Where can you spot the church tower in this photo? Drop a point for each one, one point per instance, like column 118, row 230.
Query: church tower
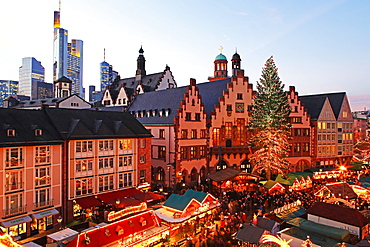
column 62, row 87
column 220, row 67
column 140, row 71
column 235, row 63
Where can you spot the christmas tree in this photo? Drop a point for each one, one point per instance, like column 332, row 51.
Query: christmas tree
column 270, row 123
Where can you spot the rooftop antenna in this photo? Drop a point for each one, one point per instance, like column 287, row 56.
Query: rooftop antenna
column 104, row 54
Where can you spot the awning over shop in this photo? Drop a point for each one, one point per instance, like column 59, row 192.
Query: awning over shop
column 88, row 202
column 63, row 234
column 112, row 196
column 45, row 213
column 16, row 221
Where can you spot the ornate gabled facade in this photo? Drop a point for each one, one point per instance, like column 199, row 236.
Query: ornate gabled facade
column 301, row 151
column 332, row 130
column 177, row 120
column 121, row 91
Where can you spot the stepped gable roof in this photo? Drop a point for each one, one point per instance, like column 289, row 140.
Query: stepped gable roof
column 79, row 124
column 149, row 83
column 211, row 92
column 338, row 213
column 25, row 122
column 313, row 104
column 160, row 100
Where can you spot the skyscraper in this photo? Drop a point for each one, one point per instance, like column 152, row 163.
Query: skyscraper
column 7, row 88
column 68, row 57
column 31, row 71
column 107, row 74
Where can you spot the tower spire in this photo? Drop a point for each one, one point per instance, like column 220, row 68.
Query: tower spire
column 60, row 3
column 104, row 54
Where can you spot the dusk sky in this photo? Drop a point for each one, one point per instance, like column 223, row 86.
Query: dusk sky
column 318, row 46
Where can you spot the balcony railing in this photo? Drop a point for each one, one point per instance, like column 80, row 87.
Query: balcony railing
column 44, row 204
column 14, row 211
column 15, row 186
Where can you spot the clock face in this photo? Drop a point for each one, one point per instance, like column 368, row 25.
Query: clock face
column 239, row 107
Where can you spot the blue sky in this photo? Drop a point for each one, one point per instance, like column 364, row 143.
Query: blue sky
column 318, row 46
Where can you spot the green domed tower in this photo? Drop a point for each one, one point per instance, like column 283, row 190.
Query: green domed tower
column 220, row 67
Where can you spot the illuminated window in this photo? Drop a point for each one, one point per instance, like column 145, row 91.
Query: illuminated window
column 84, row 186
column 162, row 152
column 125, row 144
column 240, row 130
column 193, row 134
column 228, row 130
column 202, row 151
column 202, row 133
column 184, row 134
column 124, row 161
column 38, row 132
column 13, row 157
column 193, row 152
column 84, row 165
column 10, row 132
column 142, row 143
column 161, row 134
column 42, row 155
column 216, row 137
column 184, row 153
column 13, row 180
column 306, row 147
column 105, row 163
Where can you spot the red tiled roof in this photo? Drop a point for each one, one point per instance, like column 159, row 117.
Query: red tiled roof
column 116, row 231
column 338, row 213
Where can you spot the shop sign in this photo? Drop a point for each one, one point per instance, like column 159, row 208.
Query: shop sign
column 119, row 214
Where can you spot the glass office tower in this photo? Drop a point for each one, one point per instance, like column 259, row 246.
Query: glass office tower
column 107, row 75
column 7, row 88
column 31, row 71
column 68, row 57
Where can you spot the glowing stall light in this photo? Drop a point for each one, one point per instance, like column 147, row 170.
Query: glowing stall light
column 7, row 241
column 277, row 240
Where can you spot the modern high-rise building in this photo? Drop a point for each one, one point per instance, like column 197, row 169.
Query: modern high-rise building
column 107, row 74
column 7, row 88
column 31, row 71
column 68, row 57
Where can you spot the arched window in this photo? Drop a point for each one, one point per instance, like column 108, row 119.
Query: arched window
column 193, row 175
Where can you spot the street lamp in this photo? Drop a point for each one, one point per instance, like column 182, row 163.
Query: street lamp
column 60, row 219
column 169, row 174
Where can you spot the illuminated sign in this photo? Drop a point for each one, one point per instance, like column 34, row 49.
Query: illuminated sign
column 276, row 240
column 119, row 214
column 7, row 241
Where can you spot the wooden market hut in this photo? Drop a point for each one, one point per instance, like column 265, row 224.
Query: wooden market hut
column 337, row 189
column 231, row 179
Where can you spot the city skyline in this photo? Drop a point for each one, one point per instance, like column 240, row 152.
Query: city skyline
column 319, row 47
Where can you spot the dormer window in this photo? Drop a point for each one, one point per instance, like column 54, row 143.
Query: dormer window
column 38, row 132
column 10, row 132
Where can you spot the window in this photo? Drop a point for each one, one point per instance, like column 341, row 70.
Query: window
column 142, row 143
column 84, row 165
column 105, row 163
column 161, row 134
column 216, row 137
column 197, row 116
column 125, row 161
column 120, row 181
column 106, row 145
column 202, row 151
column 142, row 176
column 38, row 132
column 84, row 146
column 188, row 116
column 228, row 130
column 340, row 125
column 193, row 134
column 306, row 132
column 142, row 159
column 14, row 204
column 297, row 147
column 184, row 134
column 345, row 114
column 13, row 180
column 106, row 183
column 240, row 130
column 184, row 153
column 84, row 186
column 43, row 198
column 193, row 152
column 162, row 152
column 125, row 144
column 239, row 96
column 297, row 132
column 306, row 147
column 296, row 120
column 202, row 133
column 42, row 176
column 13, row 157
column 229, row 108
column 42, row 155
column 10, row 132
column 127, row 179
